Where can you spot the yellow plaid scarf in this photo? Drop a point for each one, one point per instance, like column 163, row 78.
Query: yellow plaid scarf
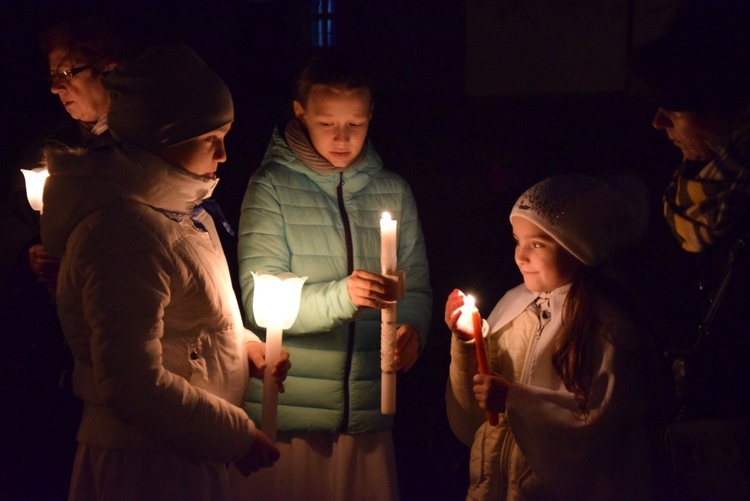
column 708, row 206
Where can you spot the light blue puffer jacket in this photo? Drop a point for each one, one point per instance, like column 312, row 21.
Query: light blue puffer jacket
column 292, row 221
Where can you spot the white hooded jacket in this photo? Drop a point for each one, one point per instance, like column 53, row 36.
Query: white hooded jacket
column 146, row 302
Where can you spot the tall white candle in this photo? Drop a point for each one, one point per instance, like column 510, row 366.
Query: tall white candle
column 276, row 302
column 269, row 410
column 389, row 267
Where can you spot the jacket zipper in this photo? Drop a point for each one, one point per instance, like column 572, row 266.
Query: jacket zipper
column 349, row 269
column 508, row 440
column 526, row 373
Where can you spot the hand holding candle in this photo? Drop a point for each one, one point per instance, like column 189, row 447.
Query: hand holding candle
column 276, row 302
column 471, row 321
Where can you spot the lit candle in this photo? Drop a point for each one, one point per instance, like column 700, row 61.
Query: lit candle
column 389, row 265
column 470, row 320
column 388, row 248
column 35, row 179
column 276, row 302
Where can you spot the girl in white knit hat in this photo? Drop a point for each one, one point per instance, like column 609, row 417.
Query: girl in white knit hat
column 570, row 366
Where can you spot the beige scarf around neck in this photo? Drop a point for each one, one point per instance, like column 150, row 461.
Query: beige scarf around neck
column 299, row 142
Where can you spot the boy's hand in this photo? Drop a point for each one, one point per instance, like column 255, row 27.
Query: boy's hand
column 407, row 347
column 370, row 290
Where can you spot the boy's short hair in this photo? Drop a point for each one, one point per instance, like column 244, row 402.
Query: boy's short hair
column 332, row 68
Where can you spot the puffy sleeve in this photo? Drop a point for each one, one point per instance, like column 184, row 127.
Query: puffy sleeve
column 263, row 246
column 464, row 414
column 416, row 308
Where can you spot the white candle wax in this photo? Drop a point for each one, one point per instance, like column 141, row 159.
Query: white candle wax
column 270, row 389
column 389, row 267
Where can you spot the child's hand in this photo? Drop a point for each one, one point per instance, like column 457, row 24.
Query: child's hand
column 407, row 347
column 491, row 391
column 262, row 454
column 453, row 312
column 256, row 353
column 370, row 290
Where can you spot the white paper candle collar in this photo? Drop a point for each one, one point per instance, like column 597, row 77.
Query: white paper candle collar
column 35, row 179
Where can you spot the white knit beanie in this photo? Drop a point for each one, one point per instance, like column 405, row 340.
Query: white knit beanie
column 591, row 219
column 166, row 96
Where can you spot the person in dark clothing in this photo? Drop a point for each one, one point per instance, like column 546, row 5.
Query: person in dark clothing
column 694, row 74
column 40, row 416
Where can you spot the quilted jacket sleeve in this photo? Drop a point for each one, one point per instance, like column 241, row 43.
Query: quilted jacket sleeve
column 416, row 308
column 263, row 246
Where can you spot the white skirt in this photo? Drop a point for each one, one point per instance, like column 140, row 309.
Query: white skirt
column 324, row 466
column 127, row 475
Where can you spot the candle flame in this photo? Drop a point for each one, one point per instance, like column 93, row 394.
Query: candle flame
column 386, row 216
column 469, row 302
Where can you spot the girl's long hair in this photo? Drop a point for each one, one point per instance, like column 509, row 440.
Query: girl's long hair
column 573, row 351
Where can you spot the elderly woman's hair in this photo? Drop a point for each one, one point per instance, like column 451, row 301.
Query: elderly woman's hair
column 94, row 38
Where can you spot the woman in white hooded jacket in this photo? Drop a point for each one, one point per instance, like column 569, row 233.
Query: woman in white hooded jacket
column 162, row 359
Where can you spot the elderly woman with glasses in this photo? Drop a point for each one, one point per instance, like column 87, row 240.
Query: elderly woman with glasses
column 34, row 358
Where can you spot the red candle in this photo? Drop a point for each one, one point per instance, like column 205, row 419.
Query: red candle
column 482, row 361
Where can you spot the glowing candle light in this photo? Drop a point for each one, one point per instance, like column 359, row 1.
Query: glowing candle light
column 35, row 179
column 389, row 265
column 471, row 321
column 275, row 306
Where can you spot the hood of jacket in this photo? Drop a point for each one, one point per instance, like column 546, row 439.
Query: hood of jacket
column 82, row 181
column 355, row 179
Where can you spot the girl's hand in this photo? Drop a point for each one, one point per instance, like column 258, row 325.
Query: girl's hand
column 491, row 391
column 262, row 454
column 407, row 347
column 256, row 353
column 453, row 311
column 370, row 290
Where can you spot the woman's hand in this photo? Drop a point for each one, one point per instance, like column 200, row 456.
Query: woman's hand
column 370, row 290
column 491, row 391
column 44, row 265
column 256, row 353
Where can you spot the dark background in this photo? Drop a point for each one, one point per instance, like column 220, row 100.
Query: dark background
column 474, row 102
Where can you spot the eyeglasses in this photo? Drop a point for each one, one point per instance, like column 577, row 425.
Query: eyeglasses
column 67, row 74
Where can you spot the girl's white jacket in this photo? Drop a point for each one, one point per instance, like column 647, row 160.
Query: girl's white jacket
column 146, row 302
